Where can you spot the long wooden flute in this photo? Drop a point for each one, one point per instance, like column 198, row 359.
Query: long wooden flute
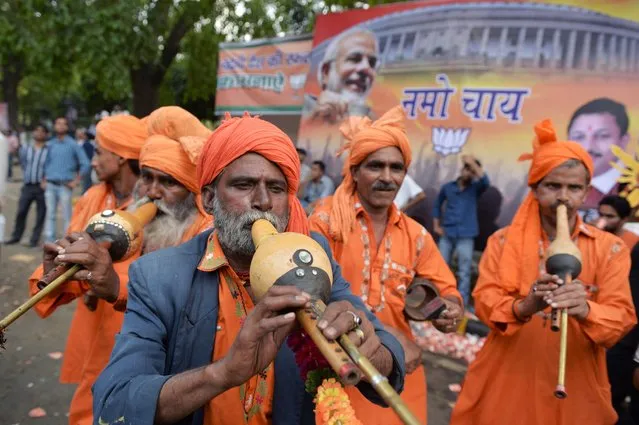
column 563, row 259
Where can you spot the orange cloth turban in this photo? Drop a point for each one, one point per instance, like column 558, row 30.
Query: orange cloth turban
column 123, row 135
column 175, row 143
column 238, row 136
column 363, row 138
column 175, row 122
column 519, row 265
column 178, row 158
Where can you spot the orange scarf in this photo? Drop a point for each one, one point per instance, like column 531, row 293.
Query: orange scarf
column 251, row 402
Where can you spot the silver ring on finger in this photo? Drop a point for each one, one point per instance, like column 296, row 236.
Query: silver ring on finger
column 89, row 276
column 356, row 319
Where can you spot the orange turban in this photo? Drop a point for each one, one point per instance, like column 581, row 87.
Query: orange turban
column 123, row 135
column 238, row 136
column 519, row 264
column 178, row 158
column 175, row 122
column 363, row 138
column 175, row 143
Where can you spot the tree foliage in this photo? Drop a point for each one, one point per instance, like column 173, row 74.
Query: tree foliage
column 99, row 52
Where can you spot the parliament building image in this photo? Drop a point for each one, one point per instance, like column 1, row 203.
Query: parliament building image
column 482, row 36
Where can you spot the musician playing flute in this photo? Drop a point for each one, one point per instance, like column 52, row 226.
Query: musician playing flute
column 381, row 250
column 514, row 375
column 196, row 347
column 167, row 175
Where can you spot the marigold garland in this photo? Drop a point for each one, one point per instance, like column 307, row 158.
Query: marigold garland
column 332, row 405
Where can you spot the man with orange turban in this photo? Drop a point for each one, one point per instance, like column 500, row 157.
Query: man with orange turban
column 514, row 376
column 381, row 249
column 97, row 319
column 196, row 347
column 168, row 177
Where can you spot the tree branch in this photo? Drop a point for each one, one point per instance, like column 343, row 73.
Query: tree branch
column 172, row 45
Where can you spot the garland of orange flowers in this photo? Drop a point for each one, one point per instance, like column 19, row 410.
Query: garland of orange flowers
column 332, row 405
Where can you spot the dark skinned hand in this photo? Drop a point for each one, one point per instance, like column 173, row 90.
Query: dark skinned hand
column 572, row 296
column 80, row 248
column 448, row 320
column 535, row 300
column 262, row 334
column 337, row 321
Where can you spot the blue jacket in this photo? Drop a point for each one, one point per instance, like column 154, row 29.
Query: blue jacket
column 169, row 328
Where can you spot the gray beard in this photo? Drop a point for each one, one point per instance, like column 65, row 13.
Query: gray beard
column 168, row 227
column 234, row 231
column 165, row 231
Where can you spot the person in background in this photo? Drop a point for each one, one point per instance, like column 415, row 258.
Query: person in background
column 409, row 195
column 64, row 168
column 4, row 157
column 32, row 160
column 614, row 212
column 13, row 144
column 458, row 227
column 89, row 149
column 305, row 171
column 319, row 187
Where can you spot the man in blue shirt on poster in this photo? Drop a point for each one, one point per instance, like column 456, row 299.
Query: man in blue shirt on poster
column 63, row 170
column 457, row 224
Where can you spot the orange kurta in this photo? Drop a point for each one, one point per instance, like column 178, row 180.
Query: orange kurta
column 630, row 238
column 514, row 376
column 251, row 403
column 92, row 333
column 380, row 275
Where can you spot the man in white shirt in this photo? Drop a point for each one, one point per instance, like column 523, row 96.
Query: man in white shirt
column 409, row 194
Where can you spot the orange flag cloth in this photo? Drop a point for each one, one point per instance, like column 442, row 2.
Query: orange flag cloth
column 363, row 138
column 521, row 249
column 122, row 135
column 238, row 136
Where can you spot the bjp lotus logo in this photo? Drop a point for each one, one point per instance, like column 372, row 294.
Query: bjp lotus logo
column 297, row 82
column 447, row 141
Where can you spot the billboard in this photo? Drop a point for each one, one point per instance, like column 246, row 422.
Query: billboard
column 263, row 76
column 474, row 77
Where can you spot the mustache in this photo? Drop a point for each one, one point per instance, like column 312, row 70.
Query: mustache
column 247, row 219
column 595, row 154
column 389, row 187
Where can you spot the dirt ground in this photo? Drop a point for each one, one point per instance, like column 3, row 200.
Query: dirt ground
column 29, row 370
